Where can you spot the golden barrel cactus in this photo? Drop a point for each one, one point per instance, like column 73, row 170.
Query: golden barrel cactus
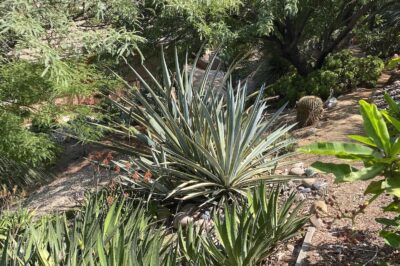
column 309, row 110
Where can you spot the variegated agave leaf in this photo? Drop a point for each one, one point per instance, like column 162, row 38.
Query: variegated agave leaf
column 204, row 142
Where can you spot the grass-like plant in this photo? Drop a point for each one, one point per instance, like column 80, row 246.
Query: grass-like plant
column 201, row 140
column 107, row 231
column 244, row 235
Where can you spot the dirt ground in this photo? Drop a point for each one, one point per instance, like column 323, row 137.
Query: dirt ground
column 340, row 243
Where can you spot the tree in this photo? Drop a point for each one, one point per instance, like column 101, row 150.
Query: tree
column 49, row 51
column 302, row 32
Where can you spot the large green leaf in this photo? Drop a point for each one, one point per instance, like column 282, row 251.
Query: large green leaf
column 392, row 185
column 375, row 126
column 392, row 120
column 346, row 173
column 375, row 187
column 391, row 238
column 337, row 148
column 365, row 140
column 393, row 207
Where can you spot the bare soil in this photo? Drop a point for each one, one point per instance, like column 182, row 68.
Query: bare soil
column 342, row 242
column 74, row 174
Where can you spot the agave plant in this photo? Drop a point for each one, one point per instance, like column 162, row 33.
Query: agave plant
column 119, row 234
column 201, row 140
column 244, row 235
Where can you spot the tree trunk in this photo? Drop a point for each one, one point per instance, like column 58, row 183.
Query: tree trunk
column 298, row 61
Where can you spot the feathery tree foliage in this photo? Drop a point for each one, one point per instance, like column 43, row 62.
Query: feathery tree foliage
column 48, row 52
column 302, row 32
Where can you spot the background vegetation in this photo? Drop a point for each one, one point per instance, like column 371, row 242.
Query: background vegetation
column 75, row 68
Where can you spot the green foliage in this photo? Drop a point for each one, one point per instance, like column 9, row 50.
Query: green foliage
column 45, row 52
column 393, row 62
column 107, row 231
column 51, row 32
column 14, row 222
column 245, row 234
column 341, row 73
column 29, row 110
column 381, row 41
column 112, row 229
column 379, row 150
column 201, row 141
column 21, row 145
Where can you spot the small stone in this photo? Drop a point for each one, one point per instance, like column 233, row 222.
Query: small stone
column 290, row 184
column 299, row 197
column 278, row 172
column 309, row 172
column 319, row 206
column 298, row 165
column 200, row 222
column 300, row 187
column 296, row 171
column 317, row 222
column 290, row 247
column 319, row 185
column 182, row 219
column 305, row 190
column 206, row 216
column 331, row 102
column 308, row 182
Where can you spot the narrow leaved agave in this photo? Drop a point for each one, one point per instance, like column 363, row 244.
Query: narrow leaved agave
column 201, row 139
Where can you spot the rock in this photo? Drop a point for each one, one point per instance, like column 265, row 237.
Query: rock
column 331, row 102
column 206, row 216
column 200, row 222
column 182, row 219
column 204, row 224
column 319, row 185
column 308, row 182
column 278, row 172
column 305, row 190
column 290, row 247
column 299, row 197
column 309, row 172
column 296, row 171
column 298, row 165
column 317, row 222
column 319, row 206
column 290, row 184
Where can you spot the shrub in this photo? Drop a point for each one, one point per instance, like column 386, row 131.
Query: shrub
column 246, row 234
column 202, row 142
column 382, row 40
column 379, row 150
column 341, row 73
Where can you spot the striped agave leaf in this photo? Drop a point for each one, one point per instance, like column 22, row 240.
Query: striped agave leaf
column 203, row 140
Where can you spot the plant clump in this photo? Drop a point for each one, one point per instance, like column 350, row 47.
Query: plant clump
column 199, row 142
